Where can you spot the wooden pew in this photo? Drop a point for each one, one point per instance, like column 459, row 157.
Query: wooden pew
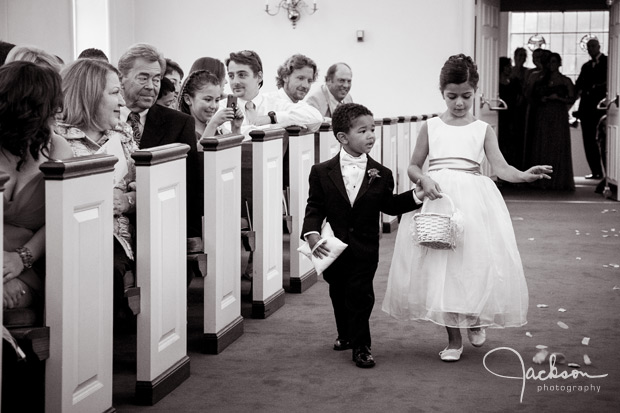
column 301, row 155
column 78, row 289
column 162, row 362
column 389, row 158
column 223, row 323
column 326, row 145
column 405, row 150
column 263, row 157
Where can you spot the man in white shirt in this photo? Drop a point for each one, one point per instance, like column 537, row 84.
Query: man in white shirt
column 245, row 73
column 295, row 77
column 334, row 92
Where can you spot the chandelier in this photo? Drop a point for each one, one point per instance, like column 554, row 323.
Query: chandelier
column 293, row 9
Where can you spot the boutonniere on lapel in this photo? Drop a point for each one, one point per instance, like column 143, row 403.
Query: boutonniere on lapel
column 372, row 175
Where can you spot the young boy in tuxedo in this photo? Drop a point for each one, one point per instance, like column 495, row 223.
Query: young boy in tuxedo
column 349, row 191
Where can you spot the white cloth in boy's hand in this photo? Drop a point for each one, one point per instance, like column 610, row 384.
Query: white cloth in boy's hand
column 332, row 243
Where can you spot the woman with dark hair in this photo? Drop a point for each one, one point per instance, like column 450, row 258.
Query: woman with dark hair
column 212, row 65
column 30, row 97
column 200, row 97
column 553, row 94
column 91, row 124
column 509, row 90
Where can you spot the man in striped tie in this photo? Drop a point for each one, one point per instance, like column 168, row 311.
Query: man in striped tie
column 142, row 67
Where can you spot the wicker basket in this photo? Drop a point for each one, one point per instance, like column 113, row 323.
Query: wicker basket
column 434, row 230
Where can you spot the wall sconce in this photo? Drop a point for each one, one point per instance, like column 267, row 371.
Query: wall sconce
column 293, row 9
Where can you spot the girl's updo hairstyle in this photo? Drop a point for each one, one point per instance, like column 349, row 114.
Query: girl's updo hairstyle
column 194, row 82
column 459, row 69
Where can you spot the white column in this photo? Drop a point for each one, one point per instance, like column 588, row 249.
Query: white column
column 78, row 283
column 223, row 323
column 301, row 159
column 161, row 265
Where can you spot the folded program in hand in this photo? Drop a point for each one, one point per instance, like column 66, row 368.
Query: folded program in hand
column 332, row 243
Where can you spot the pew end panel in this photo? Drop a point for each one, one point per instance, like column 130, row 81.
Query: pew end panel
column 389, row 132
column 301, row 152
column 161, row 271
column 267, row 277
column 78, row 289
column 223, row 323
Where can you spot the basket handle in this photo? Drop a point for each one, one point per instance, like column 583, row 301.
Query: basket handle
column 443, row 195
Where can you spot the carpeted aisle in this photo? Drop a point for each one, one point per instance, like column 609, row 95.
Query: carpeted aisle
column 285, row 363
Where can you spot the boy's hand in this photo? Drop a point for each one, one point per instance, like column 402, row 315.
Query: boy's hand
column 419, row 192
column 319, row 250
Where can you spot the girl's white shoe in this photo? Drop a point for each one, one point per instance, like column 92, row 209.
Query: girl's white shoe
column 453, row 354
column 477, row 338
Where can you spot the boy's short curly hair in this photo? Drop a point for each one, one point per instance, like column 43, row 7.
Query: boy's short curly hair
column 345, row 114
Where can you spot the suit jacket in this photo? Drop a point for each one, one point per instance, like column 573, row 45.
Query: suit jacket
column 356, row 225
column 321, row 99
column 592, row 83
column 164, row 126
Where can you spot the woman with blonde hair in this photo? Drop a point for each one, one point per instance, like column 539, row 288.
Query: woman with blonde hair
column 35, row 55
column 91, row 124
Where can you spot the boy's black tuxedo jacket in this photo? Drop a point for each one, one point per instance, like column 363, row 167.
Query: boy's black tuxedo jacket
column 357, row 225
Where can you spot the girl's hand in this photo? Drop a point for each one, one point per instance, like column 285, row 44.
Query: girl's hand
column 237, row 121
column 432, row 190
column 221, row 116
column 537, row 172
column 12, row 265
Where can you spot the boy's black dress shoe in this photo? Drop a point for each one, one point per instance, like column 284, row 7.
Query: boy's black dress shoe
column 340, row 344
column 363, row 358
column 594, row 176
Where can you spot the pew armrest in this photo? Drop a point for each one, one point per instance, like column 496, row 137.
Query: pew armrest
column 198, row 259
column 33, row 340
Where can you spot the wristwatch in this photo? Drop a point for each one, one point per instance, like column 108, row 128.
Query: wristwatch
column 272, row 116
column 26, row 256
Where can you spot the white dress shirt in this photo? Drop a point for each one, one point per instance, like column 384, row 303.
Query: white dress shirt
column 287, row 113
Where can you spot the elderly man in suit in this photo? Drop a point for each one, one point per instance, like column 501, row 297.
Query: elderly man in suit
column 141, row 68
column 334, row 92
column 591, row 86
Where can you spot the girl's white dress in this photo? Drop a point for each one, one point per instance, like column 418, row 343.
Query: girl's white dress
column 480, row 283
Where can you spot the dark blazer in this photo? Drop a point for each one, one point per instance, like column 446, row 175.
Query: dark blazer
column 164, row 126
column 592, row 83
column 356, row 225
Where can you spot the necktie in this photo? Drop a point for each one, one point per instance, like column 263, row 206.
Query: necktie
column 133, row 119
column 250, row 112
